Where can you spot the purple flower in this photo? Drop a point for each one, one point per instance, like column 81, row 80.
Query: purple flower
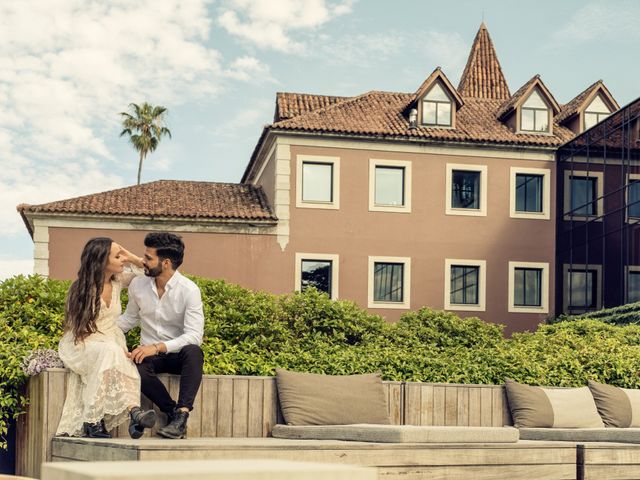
column 39, row 360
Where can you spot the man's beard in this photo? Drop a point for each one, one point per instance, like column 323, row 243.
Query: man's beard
column 153, row 272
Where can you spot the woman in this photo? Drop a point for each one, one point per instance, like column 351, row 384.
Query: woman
column 104, row 385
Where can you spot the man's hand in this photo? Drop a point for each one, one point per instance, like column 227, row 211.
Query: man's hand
column 140, row 353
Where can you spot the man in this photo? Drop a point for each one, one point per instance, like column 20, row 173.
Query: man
column 168, row 307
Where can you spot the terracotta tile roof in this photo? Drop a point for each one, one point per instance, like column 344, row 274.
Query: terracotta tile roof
column 289, row 105
column 482, row 76
column 169, row 198
column 381, row 114
column 570, row 109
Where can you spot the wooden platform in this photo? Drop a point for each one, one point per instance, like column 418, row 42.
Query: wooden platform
column 522, row 460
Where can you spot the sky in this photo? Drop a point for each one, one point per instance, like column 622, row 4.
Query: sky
column 68, row 67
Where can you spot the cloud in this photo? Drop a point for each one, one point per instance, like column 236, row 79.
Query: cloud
column 597, row 21
column 361, row 49
column 249, row 69
column 272, row 24
column 68, row 67
column 10, row 268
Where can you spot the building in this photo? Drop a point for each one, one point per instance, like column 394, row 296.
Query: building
column 444, row 197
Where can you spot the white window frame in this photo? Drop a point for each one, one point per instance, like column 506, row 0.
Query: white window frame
column 335, row 262
column 630, row 177
column 482, row 283
column 544, row 287
column 406, row 282
column 404, row 164
column 567, row 195
column 335, row 161
column 565, row 282
column 468, row 212
column 627, row 270
column 546, row 194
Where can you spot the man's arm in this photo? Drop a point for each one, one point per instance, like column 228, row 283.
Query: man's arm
column 193, row 323
column 131, row 316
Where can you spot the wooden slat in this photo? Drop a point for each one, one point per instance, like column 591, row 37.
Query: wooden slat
column 413, row 403
column 240, row 407
column 209, row 406
column 497, row 410
column 269, row 406
column 254, row 421
column 396, row 402
column 225, row 407
column 486, row 401
column 451, row 406
column 475, row 418
column 194, row 424
column 438, row 405
column 462, row 408
column 426, row 405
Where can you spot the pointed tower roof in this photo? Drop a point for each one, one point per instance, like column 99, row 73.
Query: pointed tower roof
column 482, row 77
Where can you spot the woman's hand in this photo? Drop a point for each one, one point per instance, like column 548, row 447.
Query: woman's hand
column 129, row 257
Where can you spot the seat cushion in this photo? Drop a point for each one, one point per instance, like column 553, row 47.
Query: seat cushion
column 398, row 433
column 624, row 435
column 618, row 407
column 312, row 399
column 533, row 407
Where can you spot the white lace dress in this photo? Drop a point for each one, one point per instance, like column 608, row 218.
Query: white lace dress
column 103, row 382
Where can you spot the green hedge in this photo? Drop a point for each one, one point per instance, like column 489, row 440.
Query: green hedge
column 252, row 333
column 622, row 315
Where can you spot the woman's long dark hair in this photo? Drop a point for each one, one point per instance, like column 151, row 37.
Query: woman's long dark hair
column 83, row 300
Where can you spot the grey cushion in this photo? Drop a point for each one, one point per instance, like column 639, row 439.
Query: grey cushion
column 625, row 435
column 312, row 399
column 398, row 433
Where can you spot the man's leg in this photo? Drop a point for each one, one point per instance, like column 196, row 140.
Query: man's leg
column 191, row 360
column 151, row 385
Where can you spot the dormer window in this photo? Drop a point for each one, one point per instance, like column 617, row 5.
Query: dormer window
column 436, row 107
column 595, row 112
column 534, row 114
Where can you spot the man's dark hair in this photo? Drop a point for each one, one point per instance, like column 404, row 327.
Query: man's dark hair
column 167, row 245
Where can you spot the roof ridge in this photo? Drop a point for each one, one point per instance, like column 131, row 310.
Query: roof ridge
column 482, row 76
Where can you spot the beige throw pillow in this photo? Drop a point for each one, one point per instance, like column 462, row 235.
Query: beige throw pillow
column 312, row 399
column 533, row 407
column 618, row 407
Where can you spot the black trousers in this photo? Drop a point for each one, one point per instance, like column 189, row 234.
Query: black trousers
column 187, row 363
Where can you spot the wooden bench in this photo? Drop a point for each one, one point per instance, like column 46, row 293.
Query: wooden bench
column 233, row 417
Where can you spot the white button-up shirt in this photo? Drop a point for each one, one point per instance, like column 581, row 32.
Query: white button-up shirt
column 176, row 319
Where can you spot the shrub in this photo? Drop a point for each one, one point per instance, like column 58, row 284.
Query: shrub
column 253, row 333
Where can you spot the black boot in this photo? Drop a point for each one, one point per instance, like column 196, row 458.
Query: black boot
column 140, row 419
column 177, row 426
column 95, row 430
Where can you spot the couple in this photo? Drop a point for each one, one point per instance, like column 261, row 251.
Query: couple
column 106, row 380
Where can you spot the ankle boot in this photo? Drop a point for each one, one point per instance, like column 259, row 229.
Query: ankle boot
column 177, row 426
column 139, row 420
column 95, row 430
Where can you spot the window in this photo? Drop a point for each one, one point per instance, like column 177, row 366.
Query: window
column 466, row 190
column 465, row 284
column 582, row 290
column 583, row 195
column 633, row 284
column 530, row 193
column 318, row 182
column 436, row 107
column 534, row 114
column 389, row 186
column 389, row 282
column 595, row 112
column 528, row 287
column 319, row 270
column 633, row 197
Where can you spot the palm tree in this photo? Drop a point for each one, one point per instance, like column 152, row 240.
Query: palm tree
column 145, row 128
